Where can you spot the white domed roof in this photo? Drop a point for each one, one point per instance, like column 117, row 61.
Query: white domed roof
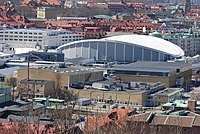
column 150, row 42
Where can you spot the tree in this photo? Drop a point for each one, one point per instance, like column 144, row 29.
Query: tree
column 12, row 81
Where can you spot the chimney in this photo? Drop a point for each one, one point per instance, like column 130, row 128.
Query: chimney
column 192, row 105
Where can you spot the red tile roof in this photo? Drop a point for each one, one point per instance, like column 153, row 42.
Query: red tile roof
column 43, row 2
column 105, row 119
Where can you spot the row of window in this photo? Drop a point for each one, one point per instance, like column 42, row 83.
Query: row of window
column 72, row 36
column 22, row 33
column 22, row 39
column 71, row 40
column 11, row 36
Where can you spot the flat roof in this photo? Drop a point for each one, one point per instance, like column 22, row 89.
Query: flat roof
column 71, row 70
column 35, row 30
column 169, row 91
column 151, row 66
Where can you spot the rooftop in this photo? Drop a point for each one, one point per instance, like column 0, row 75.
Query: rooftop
column 169, row 91
column 176, row 35
column 140, row 40
column 71, row 70
column 150, row 66
column 180, row 104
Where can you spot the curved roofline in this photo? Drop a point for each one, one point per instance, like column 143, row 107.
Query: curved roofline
column 145, row 41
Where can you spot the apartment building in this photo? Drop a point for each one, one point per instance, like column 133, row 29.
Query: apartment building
column 189, row 43
column 32, row 38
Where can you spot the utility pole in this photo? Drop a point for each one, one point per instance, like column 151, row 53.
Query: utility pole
column 28, row 66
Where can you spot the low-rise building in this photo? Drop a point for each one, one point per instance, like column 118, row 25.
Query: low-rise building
column 167, row 95
column 46, row 13
column 191, row 105
column 136, row 96
column 5, row 94
column 63, row 76
column 173, row 74
column 36, row 88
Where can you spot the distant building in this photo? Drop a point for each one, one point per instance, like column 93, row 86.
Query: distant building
column 188, row 42
column 46, row 13
column 5, row 94
column 191, row 105
column 31, row 38
column 187, row 6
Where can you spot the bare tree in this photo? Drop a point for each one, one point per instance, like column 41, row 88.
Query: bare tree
column 12, row 81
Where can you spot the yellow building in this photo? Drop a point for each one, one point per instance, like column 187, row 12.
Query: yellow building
column 134, row 97
column 36, row 88
column 167, row 95
column 61, row 76
column 46, row 13
column 171, row 73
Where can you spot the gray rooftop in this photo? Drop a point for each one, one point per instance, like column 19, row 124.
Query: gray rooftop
column 71, row 70
column 149, row 66
column 169, row 91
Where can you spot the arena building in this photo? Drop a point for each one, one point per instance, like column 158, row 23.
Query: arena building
column 123, row 48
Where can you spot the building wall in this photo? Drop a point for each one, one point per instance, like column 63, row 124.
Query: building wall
column 189, row 45
column 151, row 79
column 113, row 51
column 30, row 38
column 38, row 89
column 169, row 81
column 37, row 74
column 5, row 94
column 63, row 79
column 118, row 97
column 46, row 13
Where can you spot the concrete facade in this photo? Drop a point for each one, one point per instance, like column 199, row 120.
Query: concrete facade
column 64, row 78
